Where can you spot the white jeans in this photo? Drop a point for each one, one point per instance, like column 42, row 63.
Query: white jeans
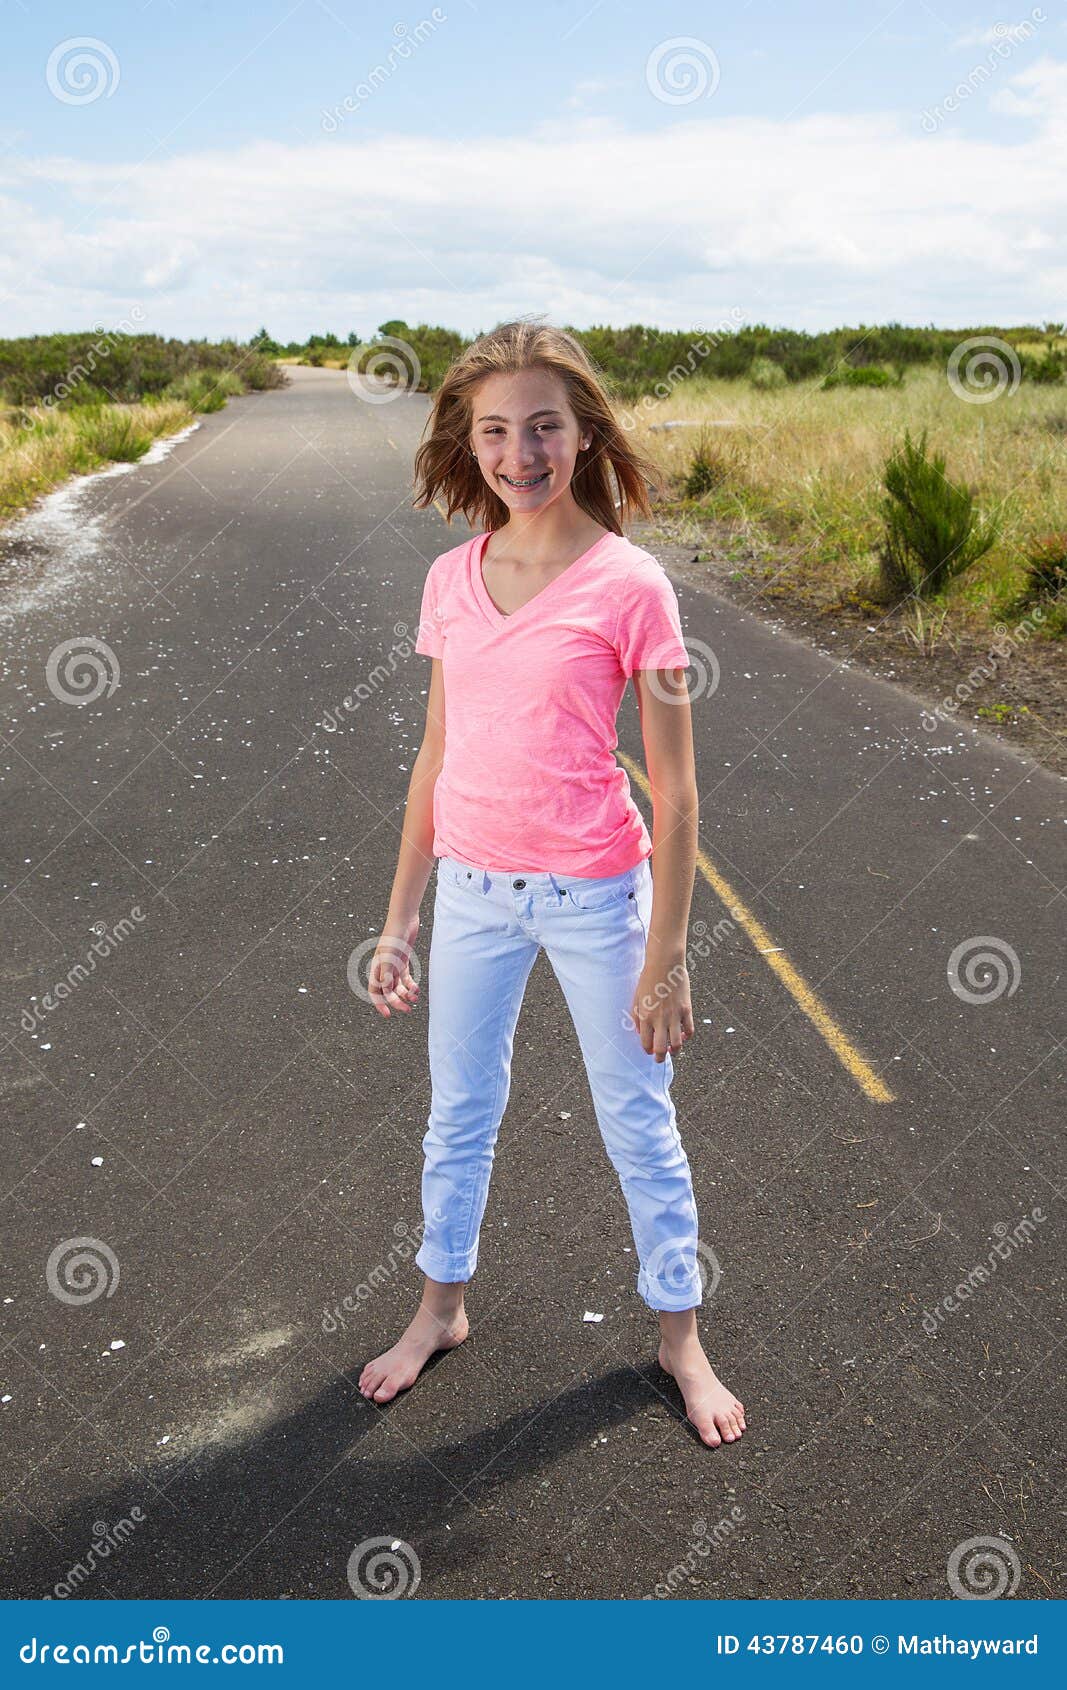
column 488, row 928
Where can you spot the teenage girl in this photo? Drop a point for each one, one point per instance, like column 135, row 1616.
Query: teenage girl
column 533, row 628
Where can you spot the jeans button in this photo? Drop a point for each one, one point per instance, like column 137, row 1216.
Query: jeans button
column 518, row 884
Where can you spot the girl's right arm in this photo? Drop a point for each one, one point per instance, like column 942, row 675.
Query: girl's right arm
column 415, row 860
column 390, row 981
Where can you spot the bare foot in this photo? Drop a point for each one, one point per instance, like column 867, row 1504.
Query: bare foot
column 713, row 1410
column 399, row 1367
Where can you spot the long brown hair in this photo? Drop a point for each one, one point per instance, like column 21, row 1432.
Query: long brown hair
column 444, row 464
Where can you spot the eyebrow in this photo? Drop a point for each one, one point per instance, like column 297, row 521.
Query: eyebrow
column 493, row 416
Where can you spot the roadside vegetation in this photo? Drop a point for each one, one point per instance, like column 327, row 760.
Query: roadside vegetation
column 72, row 403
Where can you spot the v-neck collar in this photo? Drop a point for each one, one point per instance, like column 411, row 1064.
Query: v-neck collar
column 478, row 547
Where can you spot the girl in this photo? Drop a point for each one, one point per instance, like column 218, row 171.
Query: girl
column 533, row 628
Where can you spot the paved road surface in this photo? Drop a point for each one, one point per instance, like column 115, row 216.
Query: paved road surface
column 210, row 1101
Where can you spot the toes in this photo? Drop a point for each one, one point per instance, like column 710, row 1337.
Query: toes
column 711, row 1437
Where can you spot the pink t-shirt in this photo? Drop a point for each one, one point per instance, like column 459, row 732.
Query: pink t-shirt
column 529, row 779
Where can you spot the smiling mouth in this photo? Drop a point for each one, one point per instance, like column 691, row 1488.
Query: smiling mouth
column 523, row 485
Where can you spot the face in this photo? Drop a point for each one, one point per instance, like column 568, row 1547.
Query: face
column 526, row 437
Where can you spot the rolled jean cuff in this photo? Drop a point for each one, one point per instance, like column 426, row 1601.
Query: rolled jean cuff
column 447, row 1269
column 670, row 1299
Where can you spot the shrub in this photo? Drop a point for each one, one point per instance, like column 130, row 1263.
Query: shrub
column 1046, row 567
column 766, row 375
column 707, row 468
column 1047, row 370
column 112, row 433
column 933, row 532
column 861, row 375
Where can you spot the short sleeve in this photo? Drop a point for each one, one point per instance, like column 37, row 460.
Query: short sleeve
column 648, row 633
column 430, row 634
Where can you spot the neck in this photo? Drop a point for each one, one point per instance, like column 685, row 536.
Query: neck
column 545, row 535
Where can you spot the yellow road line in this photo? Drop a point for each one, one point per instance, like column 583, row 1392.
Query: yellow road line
column 775, row 957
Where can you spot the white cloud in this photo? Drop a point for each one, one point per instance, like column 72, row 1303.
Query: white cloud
column 810, row 221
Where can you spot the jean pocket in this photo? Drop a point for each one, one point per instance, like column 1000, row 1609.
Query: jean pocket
column 450, row 872
column 601, row 894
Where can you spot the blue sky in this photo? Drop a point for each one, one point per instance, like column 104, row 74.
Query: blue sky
column 219, row 166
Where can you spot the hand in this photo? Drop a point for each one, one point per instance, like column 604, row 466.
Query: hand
column 662, row 1011
column 389, row 980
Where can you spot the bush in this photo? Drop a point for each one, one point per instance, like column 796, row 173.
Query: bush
column 766, row 375
column 112, row 433
column 933, row 532
column 707, row 468
column 861, row 375
column 1046, row 568
column 1046, row 370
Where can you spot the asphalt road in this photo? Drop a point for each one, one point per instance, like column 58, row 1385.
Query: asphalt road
column 211, row 1102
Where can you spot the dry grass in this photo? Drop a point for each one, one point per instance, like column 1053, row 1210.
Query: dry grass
column 802, row 469
column 61, row 443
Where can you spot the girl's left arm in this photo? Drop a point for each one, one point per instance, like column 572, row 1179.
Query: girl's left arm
column 662, row 1006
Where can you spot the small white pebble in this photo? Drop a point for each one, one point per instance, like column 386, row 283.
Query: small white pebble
column 97, row 1161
